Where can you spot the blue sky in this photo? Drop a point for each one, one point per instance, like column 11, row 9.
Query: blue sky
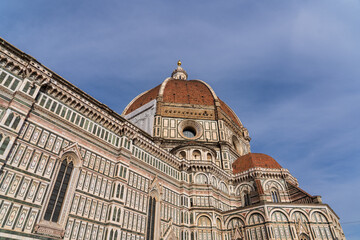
column 289, row 69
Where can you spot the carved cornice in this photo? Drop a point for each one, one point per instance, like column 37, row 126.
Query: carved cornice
column 265, row 173
column 21, row 64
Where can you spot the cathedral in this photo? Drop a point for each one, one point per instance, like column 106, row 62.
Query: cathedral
column 176, row 164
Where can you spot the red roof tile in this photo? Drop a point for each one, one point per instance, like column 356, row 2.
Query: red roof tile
column 144, row 99
column 187, row 92
column 193, row 92
column 253, row 160
column 229, row 112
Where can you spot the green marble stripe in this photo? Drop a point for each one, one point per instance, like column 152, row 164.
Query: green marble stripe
column 103, row 199
column 9, row 129
column 132, row 232
column 134, row 210
column 20, row 201
column 88, row 220
column 22, row 102
column 5, row 98
column 27, row 173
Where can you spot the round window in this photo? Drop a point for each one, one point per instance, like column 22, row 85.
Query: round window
column 189, row 132
column 190, row 129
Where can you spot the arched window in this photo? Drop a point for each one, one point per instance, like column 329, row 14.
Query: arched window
column 321, row 226
column 106, row 233
column 196, row 155
column 118, row 191
column 122, row 192
column 113, row 190
column 299, row 216
column 204, row 222
column 151, row 218
column 4, row 142
column 182, row 155
column 58, row 193
column 275, row 195
column 109, row 213
column 16, row 122
column 281, row 227
column 209, row 157
column 9, row 119
column 201, row 179
column 121, row 171
column 246, row 198
column 116, row 235
column 111, row 235
column 118, row 215
column 114, row 214
column 219, row 228
column 224, row 188
column 116, row 170
column 257, row 226
column 214, row 181
column 204, row 225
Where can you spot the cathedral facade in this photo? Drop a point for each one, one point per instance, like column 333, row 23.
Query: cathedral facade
column 176, row 164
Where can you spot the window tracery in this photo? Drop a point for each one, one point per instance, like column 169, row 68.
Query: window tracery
column 281, row 227
column 321, row 228
column 224, row 188
column 246, row 198
column 59, row 190
column 4, row 143
column 201, row 179
column 151, row 218
column 204, row 231
column 275, row 195
column 257, row 227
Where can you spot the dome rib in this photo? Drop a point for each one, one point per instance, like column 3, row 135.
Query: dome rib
column 230, row 112
column 179, row 91
column 142, row 99
column 187, row 92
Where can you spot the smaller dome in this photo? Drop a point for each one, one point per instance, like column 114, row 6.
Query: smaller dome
column 254, row 160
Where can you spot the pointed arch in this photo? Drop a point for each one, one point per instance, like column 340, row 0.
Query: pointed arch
column 243, row 187
column 153, row 223
column 57, row 204
column 59, row 190
column 273, row 184
column 201, row 178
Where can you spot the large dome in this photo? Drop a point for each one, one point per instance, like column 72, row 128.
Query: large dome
column 254, row 160
column 190, row 92
column 180, row 111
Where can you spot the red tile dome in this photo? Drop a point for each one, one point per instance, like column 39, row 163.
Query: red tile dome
column 254, row 160
column 188, row 92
